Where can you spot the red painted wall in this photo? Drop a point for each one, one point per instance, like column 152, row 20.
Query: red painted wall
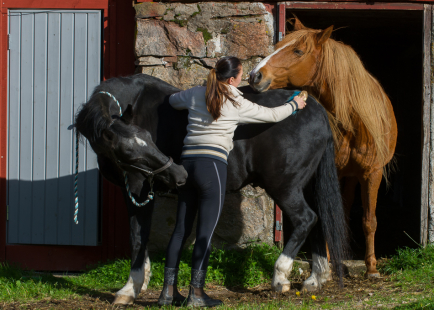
column 118, row 59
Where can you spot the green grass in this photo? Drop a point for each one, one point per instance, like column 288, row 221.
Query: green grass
column 410, row 284
column 247, row 268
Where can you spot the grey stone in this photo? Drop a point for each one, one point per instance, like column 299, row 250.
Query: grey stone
column 249, row 65
column 150, row 61
column 354, row 267
column 186, row 42
column 192, row 75
column 209, row 62
column 243, row 221
column 163, row 224
column 304, row 265
column 151, row 39
column 228, row 9
column 168, row 75
column 205, row 21
column 214, row 47
column 247, row 40
column 169, row 15
column 149, row 9
column 184, row 10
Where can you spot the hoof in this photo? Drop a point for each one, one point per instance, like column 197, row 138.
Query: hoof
column 372, row 275
column 123, row 300
column 310, row 285
column 282, row 288
column 309, row 288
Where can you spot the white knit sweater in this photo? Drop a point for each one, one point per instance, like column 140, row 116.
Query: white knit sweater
column 202, row 130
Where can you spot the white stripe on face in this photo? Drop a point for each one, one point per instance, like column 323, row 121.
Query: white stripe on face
column 266, row 59
column 140, row 141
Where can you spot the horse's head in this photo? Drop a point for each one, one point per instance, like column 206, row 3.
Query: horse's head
column 294, row 62
column 133, row 149
column 128, row 146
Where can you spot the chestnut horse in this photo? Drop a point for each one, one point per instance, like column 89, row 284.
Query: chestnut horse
column 360, row 113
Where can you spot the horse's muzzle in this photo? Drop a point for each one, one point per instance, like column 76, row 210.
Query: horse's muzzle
column 257, row 82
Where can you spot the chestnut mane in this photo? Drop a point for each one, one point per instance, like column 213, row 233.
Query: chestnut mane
column 356, row 94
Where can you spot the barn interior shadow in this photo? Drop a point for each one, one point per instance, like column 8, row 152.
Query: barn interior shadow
column 389, row 44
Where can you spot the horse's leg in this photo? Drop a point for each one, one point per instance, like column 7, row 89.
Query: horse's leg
column 321, row 272
column 303, row 219
column 369, row 189
column 147, row 271
column 140, row 226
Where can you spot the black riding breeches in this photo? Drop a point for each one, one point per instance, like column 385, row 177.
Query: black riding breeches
column 203, row 193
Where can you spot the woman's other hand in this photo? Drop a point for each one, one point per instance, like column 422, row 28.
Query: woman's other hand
column 301, row 99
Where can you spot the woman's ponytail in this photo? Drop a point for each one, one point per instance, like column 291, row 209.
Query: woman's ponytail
column 217, row 90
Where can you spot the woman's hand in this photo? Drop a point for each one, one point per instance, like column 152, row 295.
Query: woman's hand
column 301, row 99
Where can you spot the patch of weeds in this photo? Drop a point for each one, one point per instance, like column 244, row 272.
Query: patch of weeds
column 197, row 12
column 180, row 22
column 410, row 259
column 225, row 30
column 206, row 35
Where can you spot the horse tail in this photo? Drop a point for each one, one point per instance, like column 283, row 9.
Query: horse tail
column 331, row 215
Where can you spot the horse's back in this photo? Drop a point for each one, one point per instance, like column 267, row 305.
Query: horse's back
column 291, row 147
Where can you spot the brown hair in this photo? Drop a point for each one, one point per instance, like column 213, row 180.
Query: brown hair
column 217, row 90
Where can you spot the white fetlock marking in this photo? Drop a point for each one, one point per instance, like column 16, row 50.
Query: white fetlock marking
column 282, row 270
column 134, row 284
column 320, row 273
column 147, row 271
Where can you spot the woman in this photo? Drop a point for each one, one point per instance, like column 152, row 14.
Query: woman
column 214, row 112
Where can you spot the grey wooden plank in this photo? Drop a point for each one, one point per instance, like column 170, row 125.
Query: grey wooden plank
column 92, row 175
column 14, row 126
column 66, row 153
column 80, row 86
column 39, row 128
column 53, row 88
column 426, row 123
column 26, row 141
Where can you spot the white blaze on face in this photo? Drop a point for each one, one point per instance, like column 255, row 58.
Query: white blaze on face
column 140, row 141
column 266, row 59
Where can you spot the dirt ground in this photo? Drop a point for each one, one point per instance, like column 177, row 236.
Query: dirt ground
column 356, row 289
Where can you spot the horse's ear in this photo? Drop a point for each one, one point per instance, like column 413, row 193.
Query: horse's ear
column 324, row 35
column 297, row 24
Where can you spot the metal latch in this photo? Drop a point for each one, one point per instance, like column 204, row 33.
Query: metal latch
column 280, row 36
column 278, row 225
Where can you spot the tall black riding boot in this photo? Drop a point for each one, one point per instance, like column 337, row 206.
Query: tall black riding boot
column 197, row 297
column 170, row 295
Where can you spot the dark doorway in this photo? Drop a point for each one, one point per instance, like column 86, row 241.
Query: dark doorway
column 390, row 44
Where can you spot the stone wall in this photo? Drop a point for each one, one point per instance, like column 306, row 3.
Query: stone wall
column 179, row 43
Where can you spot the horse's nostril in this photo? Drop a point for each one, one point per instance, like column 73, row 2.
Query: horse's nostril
column 258, row 78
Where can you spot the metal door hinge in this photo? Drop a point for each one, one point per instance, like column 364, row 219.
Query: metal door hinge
column 7, row 212
column 278, row 225
column 280, row 36
column 9, row 41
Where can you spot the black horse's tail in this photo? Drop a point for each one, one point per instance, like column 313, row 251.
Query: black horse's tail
column 328, row 201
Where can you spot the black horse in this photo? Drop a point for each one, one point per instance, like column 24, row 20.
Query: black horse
column 283, row 158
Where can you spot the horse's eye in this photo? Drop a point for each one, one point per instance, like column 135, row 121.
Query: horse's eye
column 298, row 52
